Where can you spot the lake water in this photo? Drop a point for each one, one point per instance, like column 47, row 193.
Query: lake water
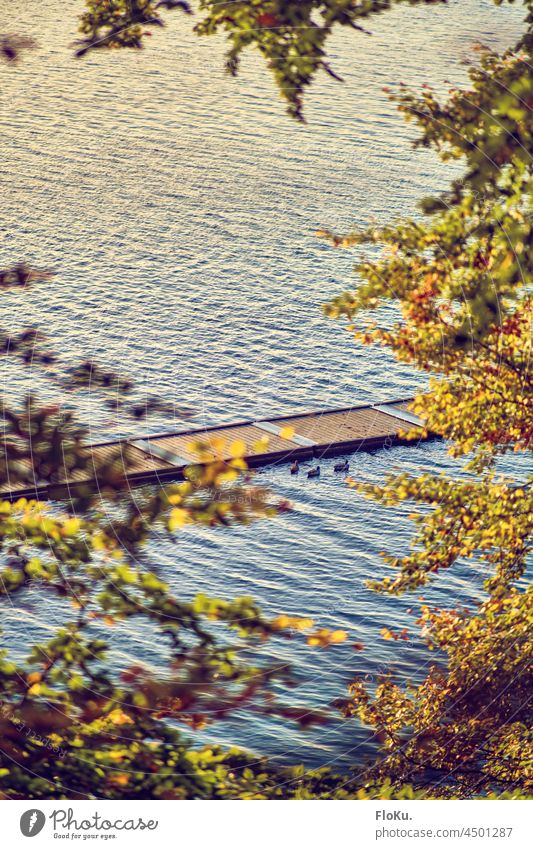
column 179, row 209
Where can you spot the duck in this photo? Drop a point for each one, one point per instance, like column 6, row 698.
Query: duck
column 314, row 473
column 295, row 467
column 342, row 467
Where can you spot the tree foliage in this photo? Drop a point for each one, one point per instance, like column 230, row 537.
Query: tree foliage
column 290, row 36
column 461, row 280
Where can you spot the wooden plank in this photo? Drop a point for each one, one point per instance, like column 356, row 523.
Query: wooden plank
column 164, row 456
column 137, row 462
column 251, row 435
column 158, row 452
column 346, row 426
column 269, row 427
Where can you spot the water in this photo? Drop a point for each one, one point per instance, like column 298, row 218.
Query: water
column 179, row 209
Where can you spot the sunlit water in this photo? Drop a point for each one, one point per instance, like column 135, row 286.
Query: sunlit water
column 179, row 209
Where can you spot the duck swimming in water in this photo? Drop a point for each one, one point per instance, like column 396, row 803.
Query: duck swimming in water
column 295, row 468
column 342, row 467
column 314, row 473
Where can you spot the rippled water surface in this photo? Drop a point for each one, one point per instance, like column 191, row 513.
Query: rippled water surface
column 179, row 209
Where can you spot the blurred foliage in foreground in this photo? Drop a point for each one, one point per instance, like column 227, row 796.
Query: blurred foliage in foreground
column 73, row 725
column 290, row 36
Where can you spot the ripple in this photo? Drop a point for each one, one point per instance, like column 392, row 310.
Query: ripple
column 179, row 209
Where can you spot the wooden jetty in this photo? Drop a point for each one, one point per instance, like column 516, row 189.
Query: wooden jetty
column 305, row 436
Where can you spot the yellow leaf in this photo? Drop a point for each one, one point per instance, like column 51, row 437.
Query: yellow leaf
column 178, row 518
column 280, row 622
column 237, row 449
column 286, row 432
column 324, row 637
column 261, row 444
column 98, row 542
column 71, row 526
column 226, row 477
column 338, row 636
column 302, row 624
column 238, row 463
column 121, row 778
column 118, row 717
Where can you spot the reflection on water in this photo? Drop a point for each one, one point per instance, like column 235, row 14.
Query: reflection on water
column 179, row 208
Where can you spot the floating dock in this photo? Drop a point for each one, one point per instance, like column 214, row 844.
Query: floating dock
column 306, row 436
